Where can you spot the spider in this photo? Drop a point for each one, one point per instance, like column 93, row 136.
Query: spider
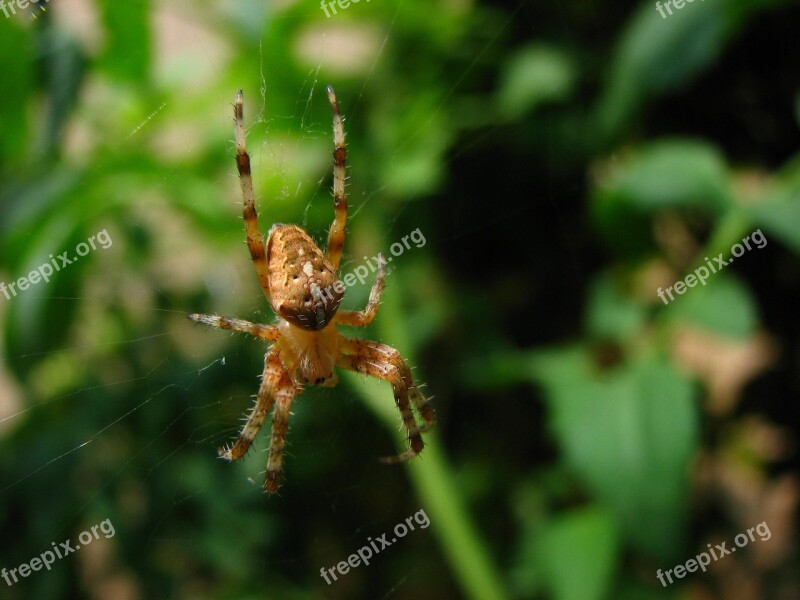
column 302, row 288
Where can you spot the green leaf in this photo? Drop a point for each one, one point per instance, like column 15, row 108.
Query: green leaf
column 534, row 75
column 673, row 173
column 669, row 174
column 779, row 212
column 423, row 132
column 657, row 54
column 660, row 53
column 629, row 434
column 724, row 306
column 127, row 53
column 578, row 553
column 15, row 87
column 612, row 315
column 64, row 65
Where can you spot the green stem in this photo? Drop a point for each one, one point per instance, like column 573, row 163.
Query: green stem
column 432, row 476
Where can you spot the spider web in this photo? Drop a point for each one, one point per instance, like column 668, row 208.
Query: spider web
column 222, row 415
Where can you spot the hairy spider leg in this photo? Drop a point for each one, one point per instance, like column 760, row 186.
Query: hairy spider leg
column 337, row 232
column 269, row 333
column 255, row 241
column 271, row 382
column 384, row 362
column 364, row 317
column 280, row 425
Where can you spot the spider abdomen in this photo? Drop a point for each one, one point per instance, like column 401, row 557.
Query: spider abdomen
column 301, row 279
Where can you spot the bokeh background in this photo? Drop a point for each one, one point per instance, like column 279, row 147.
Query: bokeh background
column 563, row 161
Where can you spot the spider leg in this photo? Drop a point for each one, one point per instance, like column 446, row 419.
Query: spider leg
column 280, row 424
column 378, row 352
column 336, row 235
column 365, row 317
column 255, row 241
column 384, row 362
column 271, row 387
column 265, row 332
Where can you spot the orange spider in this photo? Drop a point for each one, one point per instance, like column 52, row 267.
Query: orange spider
column 302, row 288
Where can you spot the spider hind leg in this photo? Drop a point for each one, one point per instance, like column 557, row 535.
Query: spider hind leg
column 280, row 425
column 384, row 362
column 278, row 390
column 270, row 389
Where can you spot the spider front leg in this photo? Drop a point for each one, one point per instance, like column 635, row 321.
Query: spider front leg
column 384, row 362
column 269, row 333
column 365, row 317
column 255, row 241
column 336, row 235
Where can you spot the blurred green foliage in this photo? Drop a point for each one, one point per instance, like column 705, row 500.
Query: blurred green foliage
column 563, row 161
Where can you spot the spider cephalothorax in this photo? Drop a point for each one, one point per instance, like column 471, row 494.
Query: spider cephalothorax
column 302, row 288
